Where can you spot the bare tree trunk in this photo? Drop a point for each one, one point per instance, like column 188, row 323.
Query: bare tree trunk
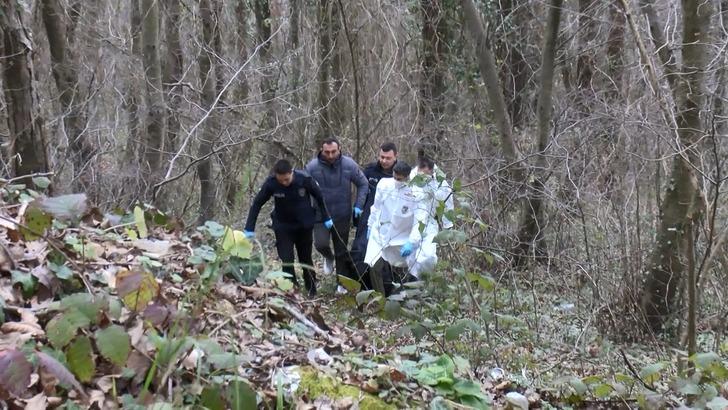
column 155, row 95
column 664, row 51
column 207, row 79
column 27, row 142
column 261, row 9
column 489, row 72
column 66, row 77
column 683, row 202
column 585, row 62
column 172, row 73
column 532, row 223
column 432, row 88
column 615, row 50
column 325, row 128
column 239, row 153
column 517, row 70
column 134, row 144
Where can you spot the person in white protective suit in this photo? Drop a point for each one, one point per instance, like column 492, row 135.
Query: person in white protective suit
column 402, row 225
column 435, row 185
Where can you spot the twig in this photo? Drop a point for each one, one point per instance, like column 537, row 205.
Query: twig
column 207, row 114
column 634, row 372
column 303, row 319
column 37, row 174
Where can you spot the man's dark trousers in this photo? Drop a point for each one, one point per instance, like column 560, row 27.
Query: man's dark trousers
column 339, row 235
column 302, row 240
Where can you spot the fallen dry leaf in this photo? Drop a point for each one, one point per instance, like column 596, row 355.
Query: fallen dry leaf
column 37, row 402
column 22, row 327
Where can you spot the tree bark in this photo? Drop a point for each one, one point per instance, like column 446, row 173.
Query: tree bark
column 532, row 223
column 683, row 200
column 585, row 62
column 27, row 142
column 172, row 73
column 261, row 9
column 134, row 144
column 326, row 51
column 239, row 154
column 66, row 78
column 432, row 88
column 497, row 101
column 517, row 71
column 209, row 135
column 155, row 94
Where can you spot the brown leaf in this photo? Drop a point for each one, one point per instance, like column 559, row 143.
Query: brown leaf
column 22, row 327
column 6, row 260
column 54, row 367
column 15, row 372
column 13, row 340
column 37, row 402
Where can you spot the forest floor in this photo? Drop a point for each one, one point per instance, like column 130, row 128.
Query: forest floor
column 129, row 311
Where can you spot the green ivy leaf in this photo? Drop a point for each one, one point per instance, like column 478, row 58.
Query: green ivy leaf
column 240, row 396
column 704, row 360
column 37, row 222
column 79, row 355
column 212, row 399
column 62, row 271
column 26, row 280
column 41, row 182
column 349, row 284
column 603, row 390
column 651, row 373
column 363, row 296
column 63, row 327
column 114, row 344
column 65, row 207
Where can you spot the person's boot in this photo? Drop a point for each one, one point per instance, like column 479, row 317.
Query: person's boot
column 310, row 284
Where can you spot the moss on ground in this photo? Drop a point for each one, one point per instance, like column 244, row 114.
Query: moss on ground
column 315, row 384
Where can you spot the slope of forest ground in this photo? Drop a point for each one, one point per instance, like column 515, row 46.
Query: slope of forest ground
column 132, row 310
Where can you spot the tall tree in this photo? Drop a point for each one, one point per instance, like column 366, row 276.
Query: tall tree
column 239, row 152
column 65, row 73
column 154, row 141
column 432, row 87
column 486, row 63
column 132, row 93
column 683, row 201
column 27, row 142
column 517, row 69
column 327, row 34
column 530, row 235
column 208, row 81
column 172, row 72
column 268, row 82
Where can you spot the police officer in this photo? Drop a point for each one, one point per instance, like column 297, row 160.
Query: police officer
column 293, row 218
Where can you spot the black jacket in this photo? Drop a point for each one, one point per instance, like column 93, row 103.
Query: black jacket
column 292, row 208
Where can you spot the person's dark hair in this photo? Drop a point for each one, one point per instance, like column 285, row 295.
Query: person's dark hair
column 402, row 168
column 282, row 166
column 388, row 146
column 331, row 140
column 426, row 163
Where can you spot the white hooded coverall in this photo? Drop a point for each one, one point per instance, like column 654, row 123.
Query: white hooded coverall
column 402, row 214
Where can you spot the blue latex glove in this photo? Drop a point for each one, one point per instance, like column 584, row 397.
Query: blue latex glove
column 406, row 250
column 249, row 234
column 357, row 212
column 369, row 232
column 328, row 223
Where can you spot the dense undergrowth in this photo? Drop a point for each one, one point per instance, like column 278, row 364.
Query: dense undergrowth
column 131, row 310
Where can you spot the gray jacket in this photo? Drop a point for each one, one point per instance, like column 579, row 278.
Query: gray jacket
column 335, row 181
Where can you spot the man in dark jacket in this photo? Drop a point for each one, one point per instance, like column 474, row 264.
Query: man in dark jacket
column 374, row 171
column 335, row 174
column 293, row 217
